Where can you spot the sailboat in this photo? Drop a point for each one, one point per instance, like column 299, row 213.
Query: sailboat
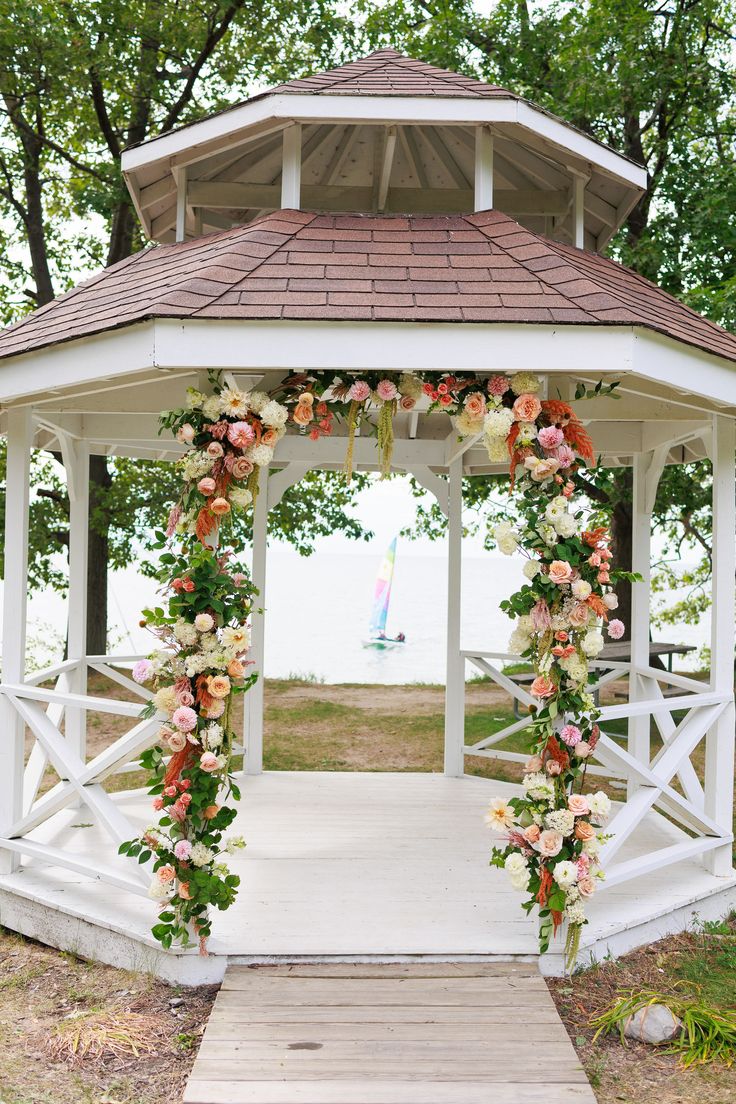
column 379, row 612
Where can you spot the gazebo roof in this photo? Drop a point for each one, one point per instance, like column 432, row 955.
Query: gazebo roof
column 482, row 267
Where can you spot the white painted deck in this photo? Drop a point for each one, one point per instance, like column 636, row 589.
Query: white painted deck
column 349, row 866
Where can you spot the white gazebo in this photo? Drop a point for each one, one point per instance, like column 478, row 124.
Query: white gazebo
column 387, row 215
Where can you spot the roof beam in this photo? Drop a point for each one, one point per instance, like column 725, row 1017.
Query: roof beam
column 443, row 152
column 387, row 162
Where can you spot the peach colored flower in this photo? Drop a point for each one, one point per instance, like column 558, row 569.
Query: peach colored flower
column 406, row 402
column 240, row 434
column 208, row 762
column 177, row 741
column 553, row 768
column 527, row 408
column 583, row 749
column 220, row 506
column 579, row 615
column 578, row 804
column 166, row 874
column 533, row 765
column 532, row 833
column 303, row 413
column 586, row 886
column 542, row 687
column 560, row 572
column 541, row 469
column 206, row 486
column 386, row 390
column 219, row 686
column 584, row 830
column 184, row 891
column 236, row 669
column 359, row 391
column 549, row 843
column 215, row 450
column 214, row 710
column 270, row 437
column 475, row 405
column 210, row 812
column 186, row 433
column 241, row 467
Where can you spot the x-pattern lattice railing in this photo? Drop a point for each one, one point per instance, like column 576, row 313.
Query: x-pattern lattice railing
column 651, row 779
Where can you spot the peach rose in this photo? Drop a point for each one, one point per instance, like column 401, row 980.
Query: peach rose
column 219, row 686
column 527, row 408
column 166, row 874
column 553, row 768
column 475, row 405
column 219, row 506
column 184, row 891
column 583, row 749
column 406, row 402
column 550, row 843
column 586, row 886
column 206, row 486
column 208, row 762
column 542, row 687
column 578, row 804
column 215, row 450
column 532, row 833
column 579, row 615
column 210, row 812
column 270, row 437
column 560, row 572
column 533, row 765
column 236, row 669
column 584, row 830
column 241, row 467
column 303, row 413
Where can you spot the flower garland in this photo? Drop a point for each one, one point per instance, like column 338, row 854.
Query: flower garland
column 554, row 832
column 204, row 636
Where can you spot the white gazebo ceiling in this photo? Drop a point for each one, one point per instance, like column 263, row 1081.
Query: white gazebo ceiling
column 385, row 133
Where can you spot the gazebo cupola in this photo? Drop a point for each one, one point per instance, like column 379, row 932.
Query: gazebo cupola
column 384, row 134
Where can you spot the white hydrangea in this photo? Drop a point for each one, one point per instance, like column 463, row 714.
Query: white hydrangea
column 257, row 400
column 592, row 847
column 201, row 855
column 519, row 641
column 195, row 465
column 531, row 569
column 566, row 525
column 185, row 633
column 525, row 623
column 592, row 643
column 261, row 455
column 274, row 414
column 576, row 668
column 497, row 451
column 498, row 423
column 466, row 425
column 211, row 408
column 240, row 497
column 524, row 383
column 575, row 913
column 196, row 664
column 213, row 735
column 159, row 891
column 600, row 805
column 565, row 873
column 562, row 820
column 538, row 786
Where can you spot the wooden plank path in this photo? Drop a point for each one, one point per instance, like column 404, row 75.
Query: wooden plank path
column 394, row 1034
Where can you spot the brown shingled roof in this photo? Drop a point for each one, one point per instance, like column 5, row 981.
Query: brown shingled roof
column 299, row 265
column 388, row 73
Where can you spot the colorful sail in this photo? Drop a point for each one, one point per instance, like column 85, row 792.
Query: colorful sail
column 382, row 593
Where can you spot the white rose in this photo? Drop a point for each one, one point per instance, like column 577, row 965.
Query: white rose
column 515, row 863
column 600, row 805
column 592, row 643
column 581, row 589
column 531, row 569
column 592, row 846
column 505, row 538
column 520, row 881
column 610, row 600
column 566, row 525
column 565, row 873
column 240, row 497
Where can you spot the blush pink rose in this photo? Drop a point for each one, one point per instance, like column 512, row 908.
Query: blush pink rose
column 579, row 615
column 186, row 434
column 542, row 687
column 208, row 762
column 241, row 467
column 553, row 768
column 475, row 405
column 359, row 391
column 533, row 765
column 527, row 408
column 406, row 402
column 532, row 833
column 206, row 486
column 616, row 629
column 550, row 437
column 166, row 874
column 240, row 434
column 177, row 741
column 560, row 572
column 550, row 843
column 215, row 450
column 586, row 886
column 578, row 804
column 583, row 749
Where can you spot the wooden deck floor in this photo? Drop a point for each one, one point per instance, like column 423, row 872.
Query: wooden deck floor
column 393, row 1034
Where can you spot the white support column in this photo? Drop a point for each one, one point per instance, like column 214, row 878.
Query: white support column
column 578, row 211
column 639, row 739
column 483, row 168
column 20, row 437
column 254, row 698
column 181, row 204
column 455, row 679
column 291, row 175
column 719, row 743
column 76, row 462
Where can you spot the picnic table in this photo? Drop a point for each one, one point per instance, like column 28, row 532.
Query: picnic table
column 619, row 652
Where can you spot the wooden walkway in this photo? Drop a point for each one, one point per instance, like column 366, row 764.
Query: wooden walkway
column 394, row 1034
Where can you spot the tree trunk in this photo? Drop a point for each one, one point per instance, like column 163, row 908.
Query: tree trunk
column 99, row 479
column 121, row 233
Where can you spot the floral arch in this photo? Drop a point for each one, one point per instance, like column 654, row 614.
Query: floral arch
column 554, row 832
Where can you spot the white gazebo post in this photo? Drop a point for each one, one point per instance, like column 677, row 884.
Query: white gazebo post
column 253, row 741
column 20, row 437
column 455, row 679
column 719, row 742
column 76, row 462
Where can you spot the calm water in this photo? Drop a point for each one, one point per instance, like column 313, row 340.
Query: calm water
column 318, row 609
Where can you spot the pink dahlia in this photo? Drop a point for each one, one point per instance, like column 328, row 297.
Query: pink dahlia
column 616, row 629
column 550, row 437
column 386, row 390
column 565, row 455
column 240, row 434
column 185, row 718
column 498, row 385
column 183, row 850
column 359, row 391
column 142, row 670
column 571, row 735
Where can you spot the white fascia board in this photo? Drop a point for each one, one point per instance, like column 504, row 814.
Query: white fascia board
column 110, row 355
column 403, row 110
column 685, row 369
column 395, row 346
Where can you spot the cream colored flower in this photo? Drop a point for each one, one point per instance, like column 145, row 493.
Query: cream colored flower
column 500, row 815
column 524, row 383
column 234, row 402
